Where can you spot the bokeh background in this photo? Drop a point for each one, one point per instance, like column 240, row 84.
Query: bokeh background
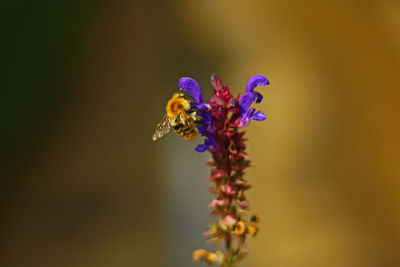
column 83, row 83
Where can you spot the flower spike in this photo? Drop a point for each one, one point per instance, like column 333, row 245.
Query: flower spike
column 227, row 114
column 251, row 97
column 221, row 119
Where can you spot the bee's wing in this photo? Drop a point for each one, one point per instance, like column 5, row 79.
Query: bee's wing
column 162, row 128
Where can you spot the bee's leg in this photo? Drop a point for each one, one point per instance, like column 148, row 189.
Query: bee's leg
column 197, row 118
column 197, row 110
column 198, row 121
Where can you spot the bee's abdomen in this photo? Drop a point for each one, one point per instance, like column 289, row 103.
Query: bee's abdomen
column 187, row 132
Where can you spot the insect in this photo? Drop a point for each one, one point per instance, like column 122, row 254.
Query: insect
column 181, row 116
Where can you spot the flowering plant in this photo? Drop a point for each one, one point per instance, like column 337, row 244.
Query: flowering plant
column 221, row 119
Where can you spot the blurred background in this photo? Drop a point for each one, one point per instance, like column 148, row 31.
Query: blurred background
column 83, row 83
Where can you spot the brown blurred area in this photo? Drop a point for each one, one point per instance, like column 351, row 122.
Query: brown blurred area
column 84, row 83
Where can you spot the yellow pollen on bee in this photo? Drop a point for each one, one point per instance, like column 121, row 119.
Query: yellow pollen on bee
column 176, row 105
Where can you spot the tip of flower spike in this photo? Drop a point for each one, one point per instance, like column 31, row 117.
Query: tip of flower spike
column 214, row 77
column 216, row 82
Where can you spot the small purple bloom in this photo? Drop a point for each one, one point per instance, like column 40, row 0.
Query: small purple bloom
column 254, row 81
column 192, row 87
column 248, row 98
column 208, row 142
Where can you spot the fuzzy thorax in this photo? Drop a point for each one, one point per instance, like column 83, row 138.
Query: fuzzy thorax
column 176, row 105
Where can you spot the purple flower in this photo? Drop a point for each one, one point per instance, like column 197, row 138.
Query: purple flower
column 254, row 81
column 192, row 87
column 208, row 142
column 248, row 98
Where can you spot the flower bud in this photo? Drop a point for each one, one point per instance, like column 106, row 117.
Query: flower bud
column 198, row 254
column 255, row 218
column 209, row 257
column 229, row 220
column 252, row 228
column 240, row 228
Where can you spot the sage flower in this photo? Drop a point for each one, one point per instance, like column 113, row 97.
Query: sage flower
column 221, row 119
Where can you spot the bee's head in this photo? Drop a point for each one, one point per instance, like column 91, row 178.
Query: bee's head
column 176, row 105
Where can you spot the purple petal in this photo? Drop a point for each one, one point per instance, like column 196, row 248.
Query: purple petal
column 210, row 139
column 251, row 112
column 201, row 105
column 201, row 148
column 259, row 96
column 258, row 116
column 205, row 116
column 205, row 119
column 192, row 87
column 256, row 80
column 245, row 102
column 202, row 128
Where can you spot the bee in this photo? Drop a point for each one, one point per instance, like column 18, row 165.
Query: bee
column 181, row 116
